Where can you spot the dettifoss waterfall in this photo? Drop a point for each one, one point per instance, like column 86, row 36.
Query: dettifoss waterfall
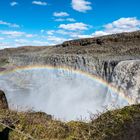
column 63, row 93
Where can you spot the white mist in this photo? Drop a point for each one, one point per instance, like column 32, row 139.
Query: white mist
column 63, row 94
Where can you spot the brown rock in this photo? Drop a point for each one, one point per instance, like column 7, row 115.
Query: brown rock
column 3, row 100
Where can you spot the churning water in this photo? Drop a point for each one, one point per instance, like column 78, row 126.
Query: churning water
column 65, row 94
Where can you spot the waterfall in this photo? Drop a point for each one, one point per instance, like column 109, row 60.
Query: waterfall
column 60, row 92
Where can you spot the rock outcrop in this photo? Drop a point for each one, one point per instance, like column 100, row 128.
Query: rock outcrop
column 126, row 76
column 3, row 100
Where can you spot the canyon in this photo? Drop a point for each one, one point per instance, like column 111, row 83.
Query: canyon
column 114, row 58
column 107, row 64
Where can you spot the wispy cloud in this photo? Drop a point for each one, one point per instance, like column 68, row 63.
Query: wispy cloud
column 14, row 3
column 63, row 16
column 51, row 32
column 65, row 19
column 26, row 42
column 70, row 19
column 22, row 42
column 41, row 3
column 1, row 38
column 60, row 14
column 9, row 24
column 14, row 34
column 81, row 5
column 121, row 25
column 56, row 40
column 74, row 26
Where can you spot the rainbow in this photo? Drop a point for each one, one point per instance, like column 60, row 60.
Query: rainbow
column 120, row 92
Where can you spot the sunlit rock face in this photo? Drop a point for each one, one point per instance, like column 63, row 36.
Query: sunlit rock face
column 65, row 94
column 126, row 76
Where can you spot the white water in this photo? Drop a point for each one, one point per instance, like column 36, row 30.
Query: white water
column 64, row 94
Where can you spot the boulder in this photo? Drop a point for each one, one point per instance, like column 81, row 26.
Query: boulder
column 3, row 100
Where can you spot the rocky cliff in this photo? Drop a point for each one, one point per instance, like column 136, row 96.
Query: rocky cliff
column 126, row 76
column 85, row 63
column 114, row 58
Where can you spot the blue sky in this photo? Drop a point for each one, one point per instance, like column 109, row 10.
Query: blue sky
column 48, row 22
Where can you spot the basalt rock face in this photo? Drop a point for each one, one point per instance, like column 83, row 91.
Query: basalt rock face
column 126, row 76
column 89, row 64
column 107, row 57
column 3, row 100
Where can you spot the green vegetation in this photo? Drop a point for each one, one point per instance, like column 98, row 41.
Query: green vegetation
column 112, row 125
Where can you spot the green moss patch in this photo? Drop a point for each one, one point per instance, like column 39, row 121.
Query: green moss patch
column 108, row 126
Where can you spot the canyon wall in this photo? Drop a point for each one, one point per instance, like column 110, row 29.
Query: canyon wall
column 89, row 64
column 126, row 76
column 114, row 58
